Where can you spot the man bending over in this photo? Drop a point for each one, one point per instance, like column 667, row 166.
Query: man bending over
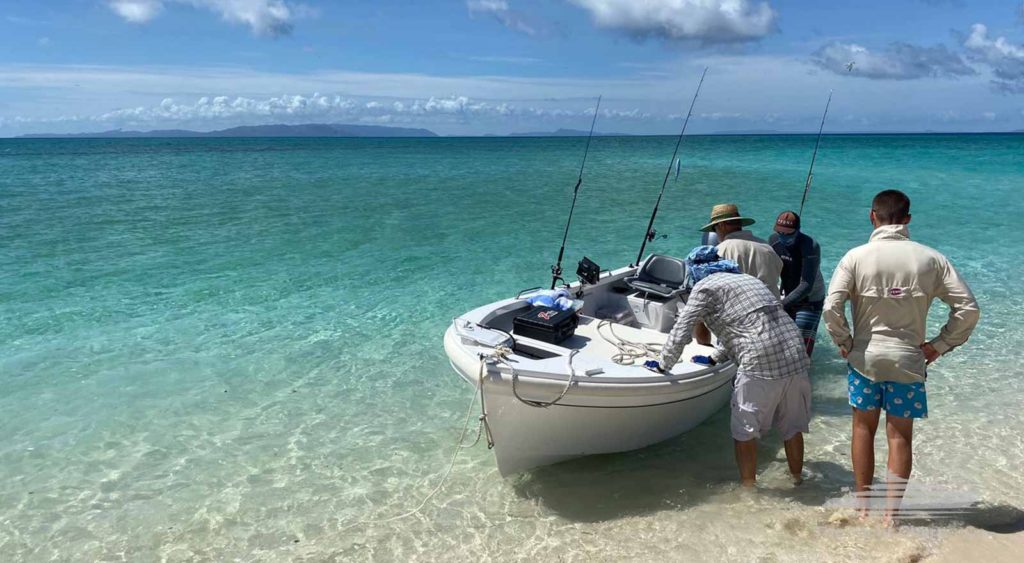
column 772, row 388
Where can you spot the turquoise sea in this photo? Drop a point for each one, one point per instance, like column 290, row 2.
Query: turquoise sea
column 230, row 349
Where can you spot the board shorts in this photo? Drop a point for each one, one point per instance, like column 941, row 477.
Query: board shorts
column 807, row 316
column 906, row 400
column 759, row 405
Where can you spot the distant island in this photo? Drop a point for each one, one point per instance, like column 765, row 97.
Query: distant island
column 567, row 133
column 306, row 130
column 346, row 130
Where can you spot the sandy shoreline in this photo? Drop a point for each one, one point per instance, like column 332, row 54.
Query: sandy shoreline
column 972, row 544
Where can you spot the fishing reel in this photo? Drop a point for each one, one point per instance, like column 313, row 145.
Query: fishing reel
column 653, row 234
column 556, row 275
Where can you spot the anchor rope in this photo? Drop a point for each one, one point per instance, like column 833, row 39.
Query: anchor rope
column 460, row 445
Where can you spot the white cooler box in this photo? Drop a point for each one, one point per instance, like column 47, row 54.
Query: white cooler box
column 654, row 312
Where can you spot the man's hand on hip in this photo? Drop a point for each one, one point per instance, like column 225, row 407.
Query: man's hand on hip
column 930, row 353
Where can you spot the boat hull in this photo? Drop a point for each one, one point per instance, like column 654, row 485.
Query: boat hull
column 593, row 418
column 533, row 437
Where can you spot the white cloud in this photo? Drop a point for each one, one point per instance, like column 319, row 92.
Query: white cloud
column 505, row 60
column 719, row 115
column 1005, row 58
column 136, row 11
column 900, row 61
column 785, row 92
column 19, row 20
column 263, row 17
column 499, row 10
column 708, row 21
column 996, row 48
column 222, row 111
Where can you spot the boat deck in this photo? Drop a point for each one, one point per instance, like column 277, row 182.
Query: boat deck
column 596, row 351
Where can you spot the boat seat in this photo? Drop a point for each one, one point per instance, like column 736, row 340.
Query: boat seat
column 660, row 275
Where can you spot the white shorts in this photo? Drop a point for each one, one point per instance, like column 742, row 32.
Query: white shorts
column 761, row 404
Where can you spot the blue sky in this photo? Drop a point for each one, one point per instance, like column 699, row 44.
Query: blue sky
column 467, row 67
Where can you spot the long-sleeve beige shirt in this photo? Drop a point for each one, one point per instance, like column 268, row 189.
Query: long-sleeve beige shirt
column 891, row 282
column 754, row 256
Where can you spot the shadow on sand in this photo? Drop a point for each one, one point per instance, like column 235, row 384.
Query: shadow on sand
column 698, row 466
column 995, row 518
column 683, row 472
column 677, row 473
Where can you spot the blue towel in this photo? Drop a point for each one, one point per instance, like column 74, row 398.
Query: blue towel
column 557, row 298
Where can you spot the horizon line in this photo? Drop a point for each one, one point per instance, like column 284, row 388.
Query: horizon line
column 207, row 135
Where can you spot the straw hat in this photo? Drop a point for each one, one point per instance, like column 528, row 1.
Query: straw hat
column 725, row 212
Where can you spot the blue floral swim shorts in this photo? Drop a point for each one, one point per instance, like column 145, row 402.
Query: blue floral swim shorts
column 907, row 400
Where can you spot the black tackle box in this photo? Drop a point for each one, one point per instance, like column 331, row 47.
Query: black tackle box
column 546, row 324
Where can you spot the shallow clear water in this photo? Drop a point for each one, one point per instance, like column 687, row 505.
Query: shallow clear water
column 231, row 349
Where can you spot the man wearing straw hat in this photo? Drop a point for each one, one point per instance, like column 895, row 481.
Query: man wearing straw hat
column 754, row 256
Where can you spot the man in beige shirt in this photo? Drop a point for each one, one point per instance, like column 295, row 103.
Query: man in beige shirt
column 754, row 256
column 891, row 282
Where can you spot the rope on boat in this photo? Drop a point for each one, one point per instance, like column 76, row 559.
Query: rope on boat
column 484, row 426
column 501, row 357
column 628, row 351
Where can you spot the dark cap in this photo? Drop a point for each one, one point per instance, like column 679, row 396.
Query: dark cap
column 788, row 222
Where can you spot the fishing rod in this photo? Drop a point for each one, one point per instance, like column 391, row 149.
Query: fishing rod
column 556, row 270
column 810, row 171
column 649, row 233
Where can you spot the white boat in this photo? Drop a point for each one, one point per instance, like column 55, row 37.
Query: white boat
column 549, row 399
column 544, row 403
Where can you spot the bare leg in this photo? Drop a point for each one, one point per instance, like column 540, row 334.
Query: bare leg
column 746, row 459
column 865, row 423
column 795, row 456
column 701, row 334
column 900, row 434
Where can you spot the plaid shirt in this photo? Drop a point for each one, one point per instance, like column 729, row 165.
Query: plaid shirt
column 751, row 327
